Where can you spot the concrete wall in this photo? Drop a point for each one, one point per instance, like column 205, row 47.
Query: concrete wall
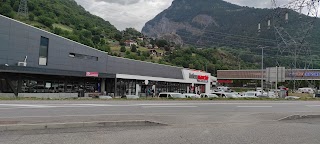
column 49, row 95
column 7, row 95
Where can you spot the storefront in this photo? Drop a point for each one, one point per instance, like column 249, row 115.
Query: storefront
column 38, row 63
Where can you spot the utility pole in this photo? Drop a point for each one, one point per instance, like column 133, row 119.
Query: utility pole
column 23, row 9
column 262, row 67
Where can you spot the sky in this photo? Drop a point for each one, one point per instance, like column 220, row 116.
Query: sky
column 135, row 13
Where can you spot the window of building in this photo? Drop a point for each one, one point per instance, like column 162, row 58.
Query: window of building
column 43, row 51
column 82, row 56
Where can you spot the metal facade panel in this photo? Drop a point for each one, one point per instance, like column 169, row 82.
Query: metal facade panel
column 25, row 41
column 130, row 67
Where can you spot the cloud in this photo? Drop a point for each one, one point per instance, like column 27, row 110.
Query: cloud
column 258, row 3
column 126, row 13
column 122, row 2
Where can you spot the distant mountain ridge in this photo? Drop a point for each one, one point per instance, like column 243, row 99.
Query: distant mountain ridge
column 208, row 22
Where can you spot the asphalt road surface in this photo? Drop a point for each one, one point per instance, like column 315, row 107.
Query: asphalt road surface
column 194, row 122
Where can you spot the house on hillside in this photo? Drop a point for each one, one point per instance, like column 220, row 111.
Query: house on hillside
column 153, row 52
column 149, row 46
column 130, row 43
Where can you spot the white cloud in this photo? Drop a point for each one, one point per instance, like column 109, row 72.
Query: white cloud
column 135, row 13
column 126, row 13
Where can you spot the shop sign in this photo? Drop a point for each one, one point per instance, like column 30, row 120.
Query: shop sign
column 225, row 81
column 92, row 74
column 312, row 74
column 304, row 74
column 199, row 78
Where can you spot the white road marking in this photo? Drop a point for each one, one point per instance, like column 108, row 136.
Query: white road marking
column 254, row 106
column 169, row 106
column 313, row 105
column 34, row 106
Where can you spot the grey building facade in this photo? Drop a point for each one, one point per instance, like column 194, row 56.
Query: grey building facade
column 36, row 61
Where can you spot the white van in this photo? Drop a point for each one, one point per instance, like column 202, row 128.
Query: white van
column 224, row 89
column 306, row 90
column 171, row 95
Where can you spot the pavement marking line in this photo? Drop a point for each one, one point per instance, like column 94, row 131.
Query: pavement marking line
column 254, row 106
column 313, row 105
column 169, row 106
column 24, row 105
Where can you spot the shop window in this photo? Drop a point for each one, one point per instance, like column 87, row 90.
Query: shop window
column 43, row 51
column 82, row 56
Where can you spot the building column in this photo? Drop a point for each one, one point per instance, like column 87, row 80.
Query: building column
column 103, row 85
column 208, row 90
column 115, row 87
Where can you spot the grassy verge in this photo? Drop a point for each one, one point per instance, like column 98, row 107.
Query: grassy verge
column 165, row 99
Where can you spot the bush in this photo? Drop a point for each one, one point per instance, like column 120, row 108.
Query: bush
column 123, row 49
column 45, row 21
column 127, row 53
column 31, row 17
column 133, row 48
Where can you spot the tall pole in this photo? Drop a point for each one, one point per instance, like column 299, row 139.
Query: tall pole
column 262, row 73
column 277, row 78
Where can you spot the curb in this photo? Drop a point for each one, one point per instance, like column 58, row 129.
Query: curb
column 17, row 127
column 296, row 117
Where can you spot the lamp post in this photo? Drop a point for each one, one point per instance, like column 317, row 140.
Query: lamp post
column 262, row 65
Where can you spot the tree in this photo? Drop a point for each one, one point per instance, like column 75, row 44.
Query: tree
column 162, row 43
column 133, row 48
column 46, row 21
column 123, row 49
column 166, row 48
column 6, row 10
column 118, row 36
column 139, row 53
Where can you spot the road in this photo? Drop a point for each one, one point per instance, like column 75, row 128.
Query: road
column 187, row 121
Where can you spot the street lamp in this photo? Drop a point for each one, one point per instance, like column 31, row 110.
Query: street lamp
column 262, row 67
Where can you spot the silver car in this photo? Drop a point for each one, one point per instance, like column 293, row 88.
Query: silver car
column 205, row 95
column 171, row 95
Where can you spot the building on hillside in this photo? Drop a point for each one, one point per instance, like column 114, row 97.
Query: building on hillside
column 36, row 63
column 130, row 43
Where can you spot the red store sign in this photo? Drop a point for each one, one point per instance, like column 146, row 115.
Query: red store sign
column 200, row 78
column 92, row 74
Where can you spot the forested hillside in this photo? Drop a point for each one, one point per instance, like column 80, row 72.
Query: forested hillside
column 65, row 18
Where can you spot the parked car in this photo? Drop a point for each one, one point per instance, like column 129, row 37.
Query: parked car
column 292, row 98
column 226, row 94
column 191, row 95
column 225, row 89
column 231, row 95
column 105, row 97
column 270, row 94
column 171, row 95
column 220, row 94
column 306, row 90
column 132, row 97
column 251, row 94
column 205, row 95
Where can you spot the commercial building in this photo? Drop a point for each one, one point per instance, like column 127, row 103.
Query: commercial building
column 36, row 63
column 289, row 74
column 253, row 77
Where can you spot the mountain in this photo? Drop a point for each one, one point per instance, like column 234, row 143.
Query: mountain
column 216, row 22
column 65, row 18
